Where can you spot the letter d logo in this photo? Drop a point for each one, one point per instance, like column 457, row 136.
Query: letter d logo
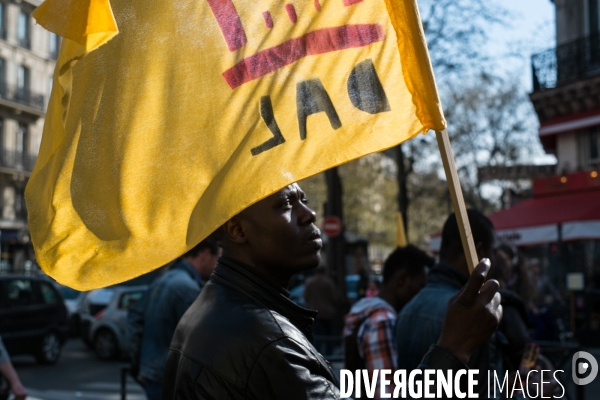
column 583, row 367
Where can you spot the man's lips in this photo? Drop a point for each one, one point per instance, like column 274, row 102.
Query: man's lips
column 315, row 236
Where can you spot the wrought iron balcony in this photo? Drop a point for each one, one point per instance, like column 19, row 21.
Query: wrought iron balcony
column 566, row 63
column 22, row 96
column 17, row 160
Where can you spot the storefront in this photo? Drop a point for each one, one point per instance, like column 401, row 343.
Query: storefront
column 557, row 232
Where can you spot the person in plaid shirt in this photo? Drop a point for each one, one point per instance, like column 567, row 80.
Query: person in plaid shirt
column 369, row 327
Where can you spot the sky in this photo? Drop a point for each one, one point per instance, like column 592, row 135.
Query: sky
column 532, row 30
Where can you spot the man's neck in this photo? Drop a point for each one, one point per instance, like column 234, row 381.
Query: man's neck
column 265, row 272
column 388, row 296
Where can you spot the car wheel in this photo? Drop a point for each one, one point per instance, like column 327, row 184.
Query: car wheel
column 49, row 349
column 105, row 345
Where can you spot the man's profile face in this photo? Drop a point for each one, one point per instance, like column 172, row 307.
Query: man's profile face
column 209, row 262
column 281, row 232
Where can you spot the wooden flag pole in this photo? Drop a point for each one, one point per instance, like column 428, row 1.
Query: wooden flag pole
column 458, row 202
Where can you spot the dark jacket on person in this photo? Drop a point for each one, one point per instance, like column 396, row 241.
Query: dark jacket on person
column 515, row 327
column 243, row 338
column 151, row 322
column 419, row 325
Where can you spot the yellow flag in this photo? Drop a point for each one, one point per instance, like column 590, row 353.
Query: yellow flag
column 400, row 232
column 196, row 109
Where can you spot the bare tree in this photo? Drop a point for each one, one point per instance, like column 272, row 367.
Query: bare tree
column 491, row 122
column 457, row 34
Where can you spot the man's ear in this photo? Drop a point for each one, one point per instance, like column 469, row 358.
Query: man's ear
column 400, row 279
column 234, row 231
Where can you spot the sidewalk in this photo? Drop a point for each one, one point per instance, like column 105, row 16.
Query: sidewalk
column 92, row 391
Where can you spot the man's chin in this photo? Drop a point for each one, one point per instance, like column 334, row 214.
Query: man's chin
column 310, row 262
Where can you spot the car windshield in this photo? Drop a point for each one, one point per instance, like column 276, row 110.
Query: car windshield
column 68, row 293
column 101, row 296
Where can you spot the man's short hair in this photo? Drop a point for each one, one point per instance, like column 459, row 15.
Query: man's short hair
column 208, row 243
column 482, row 230
column 409, row 258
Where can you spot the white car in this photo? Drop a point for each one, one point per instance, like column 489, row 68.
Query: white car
column 108, row 329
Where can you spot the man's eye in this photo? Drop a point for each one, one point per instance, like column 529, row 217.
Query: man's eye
column 304, row 200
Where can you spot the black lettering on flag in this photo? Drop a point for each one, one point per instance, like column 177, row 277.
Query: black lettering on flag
column 312, row 98
column 365, row 89
column 266, row 112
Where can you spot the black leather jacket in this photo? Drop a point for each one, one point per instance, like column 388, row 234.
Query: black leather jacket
column 243, row 338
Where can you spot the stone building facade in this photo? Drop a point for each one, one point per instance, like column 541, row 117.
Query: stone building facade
column 27, row 58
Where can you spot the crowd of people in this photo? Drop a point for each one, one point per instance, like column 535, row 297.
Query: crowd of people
column 395, row 329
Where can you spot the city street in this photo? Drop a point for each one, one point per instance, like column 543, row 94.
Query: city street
column 77, row 375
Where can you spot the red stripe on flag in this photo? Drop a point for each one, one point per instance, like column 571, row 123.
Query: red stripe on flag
column 317, row 5
column 351, row 2
column 229, row 22
column 317, row 42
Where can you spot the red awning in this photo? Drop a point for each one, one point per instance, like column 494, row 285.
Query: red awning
column 549, row 210
column 535, row 221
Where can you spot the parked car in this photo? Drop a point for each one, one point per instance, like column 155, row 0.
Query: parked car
column 107, row 332
column 73, row 299
column 33, row 318
column 93, row 303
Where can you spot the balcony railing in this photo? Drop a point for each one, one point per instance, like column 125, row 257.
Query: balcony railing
column 22, row 96
column 17, row 160
column 566, row 63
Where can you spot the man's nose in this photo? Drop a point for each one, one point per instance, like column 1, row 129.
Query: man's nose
column 306, row 215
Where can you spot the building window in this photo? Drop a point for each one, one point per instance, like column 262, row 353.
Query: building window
column 2, row 21
column 589, row 148
column 595, row 147
column 53, row 45
column 593, row 16
column 23, row 30
column 21, row 155
column 3, row 161
column 2, row 77
column 23, row 79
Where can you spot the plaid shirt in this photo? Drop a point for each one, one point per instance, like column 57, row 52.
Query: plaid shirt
column 375, row 337
column 376, row 341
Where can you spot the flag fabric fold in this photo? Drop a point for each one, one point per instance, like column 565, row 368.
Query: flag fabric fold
column 169, row 117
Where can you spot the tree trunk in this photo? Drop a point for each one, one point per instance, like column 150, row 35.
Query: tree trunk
column 336, row 257
column 402, row 176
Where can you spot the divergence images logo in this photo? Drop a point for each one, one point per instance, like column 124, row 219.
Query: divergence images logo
column 580, row 368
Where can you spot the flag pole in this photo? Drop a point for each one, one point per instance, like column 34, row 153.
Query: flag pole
column 458, row 202
column 401, row 240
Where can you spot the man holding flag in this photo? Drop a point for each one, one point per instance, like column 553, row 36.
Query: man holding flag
column 244, row 338
column 226, row 102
